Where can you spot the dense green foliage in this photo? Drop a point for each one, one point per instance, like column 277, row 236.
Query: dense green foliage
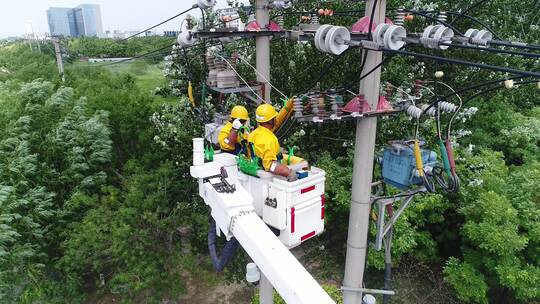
column 95, row 193
column 95, row 47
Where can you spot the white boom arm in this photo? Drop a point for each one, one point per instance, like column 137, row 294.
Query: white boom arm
column 287, row 275
column 233, row 211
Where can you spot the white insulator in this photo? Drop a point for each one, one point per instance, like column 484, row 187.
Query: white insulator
column 434, row 35
column 185, row 38
column 482, row 38
column 314, row 19
column 414, row 111
column 298, row 108
column 471, row 33
column 442, row 17
column 447, row 107
column 443, row 34
column 394, row 37
column 320, row 37
column 280, row 20
column 439, row 74
column 400, row 17
column 204, row 4
column 336, row 38
column 509, row 83
column 380, row 30
column 282, row 4
column 431, row 112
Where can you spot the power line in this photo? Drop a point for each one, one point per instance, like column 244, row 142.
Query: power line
column 492, row 50
column 141, row 56
column 476, row 20
column 464, row 62
column 427, row 16
column 161, row 23
column 497, row 87
column 469, row 88
column 473, row 6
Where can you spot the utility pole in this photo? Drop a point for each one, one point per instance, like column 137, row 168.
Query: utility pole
column 58, row 53
column 366, row 132
column 262, row 44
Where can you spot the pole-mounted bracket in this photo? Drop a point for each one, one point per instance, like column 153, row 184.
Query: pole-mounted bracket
column 382, row 203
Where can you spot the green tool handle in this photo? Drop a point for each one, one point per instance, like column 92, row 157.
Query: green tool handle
column 291, row 153
column 444, row 156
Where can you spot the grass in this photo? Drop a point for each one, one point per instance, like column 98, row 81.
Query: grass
column 148, row 76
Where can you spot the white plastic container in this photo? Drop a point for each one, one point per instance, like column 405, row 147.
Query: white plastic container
column 198, row 151
column 296, row 209
column 300, row 205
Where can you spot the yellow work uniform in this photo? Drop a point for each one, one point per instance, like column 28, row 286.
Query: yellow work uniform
column 283, row 114
column 224, row 134
column 265, row 146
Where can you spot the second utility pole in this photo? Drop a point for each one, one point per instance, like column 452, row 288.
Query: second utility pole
column 364, row 150
column 262, row 45
column 59, row 60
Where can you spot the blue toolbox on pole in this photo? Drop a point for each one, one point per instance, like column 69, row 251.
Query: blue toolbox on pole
column 399, row 165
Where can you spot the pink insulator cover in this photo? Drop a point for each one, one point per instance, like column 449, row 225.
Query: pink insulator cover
column 362, row 25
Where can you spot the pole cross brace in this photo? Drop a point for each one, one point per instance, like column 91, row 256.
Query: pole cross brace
column 369, row 290
column 382, row 203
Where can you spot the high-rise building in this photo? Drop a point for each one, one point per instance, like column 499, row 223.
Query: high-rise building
column 83, row 20
column 59, row 24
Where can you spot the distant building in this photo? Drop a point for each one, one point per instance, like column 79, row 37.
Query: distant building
column 59, row 22
column 83, row 20
column 171, row 33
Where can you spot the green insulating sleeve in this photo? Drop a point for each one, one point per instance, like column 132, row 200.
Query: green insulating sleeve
column 284, row 101
column 203, row 93
column 444, row 155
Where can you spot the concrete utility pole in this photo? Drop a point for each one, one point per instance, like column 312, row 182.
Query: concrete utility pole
column 262, row 44
column 58, row 53
column 366, row 132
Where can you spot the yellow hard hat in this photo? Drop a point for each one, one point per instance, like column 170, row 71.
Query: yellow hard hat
column 265, row 112
column 239, row 112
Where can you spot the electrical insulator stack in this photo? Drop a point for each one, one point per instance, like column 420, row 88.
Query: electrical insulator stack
column 298, row 107
column 400, row 17
column 336, row 104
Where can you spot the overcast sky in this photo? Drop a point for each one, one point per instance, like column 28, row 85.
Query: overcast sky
column 116, row 14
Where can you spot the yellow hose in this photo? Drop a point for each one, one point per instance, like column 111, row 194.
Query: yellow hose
column 190, row 94
column 418, row 157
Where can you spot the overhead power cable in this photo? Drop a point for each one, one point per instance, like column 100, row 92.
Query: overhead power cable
column 427, row 16
column 161, row 23
column 262, row 76
column 470, row 8
column 142, row 55
column 498, row 87
column 470, row 88
column 464, row 62
column 492, row 50
column 473, row 19
column 519, row 45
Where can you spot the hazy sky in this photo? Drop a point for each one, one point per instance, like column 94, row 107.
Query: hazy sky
column 116, row 14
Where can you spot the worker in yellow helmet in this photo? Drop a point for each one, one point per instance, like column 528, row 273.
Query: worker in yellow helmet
column 231, row 136
column 264, row 142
